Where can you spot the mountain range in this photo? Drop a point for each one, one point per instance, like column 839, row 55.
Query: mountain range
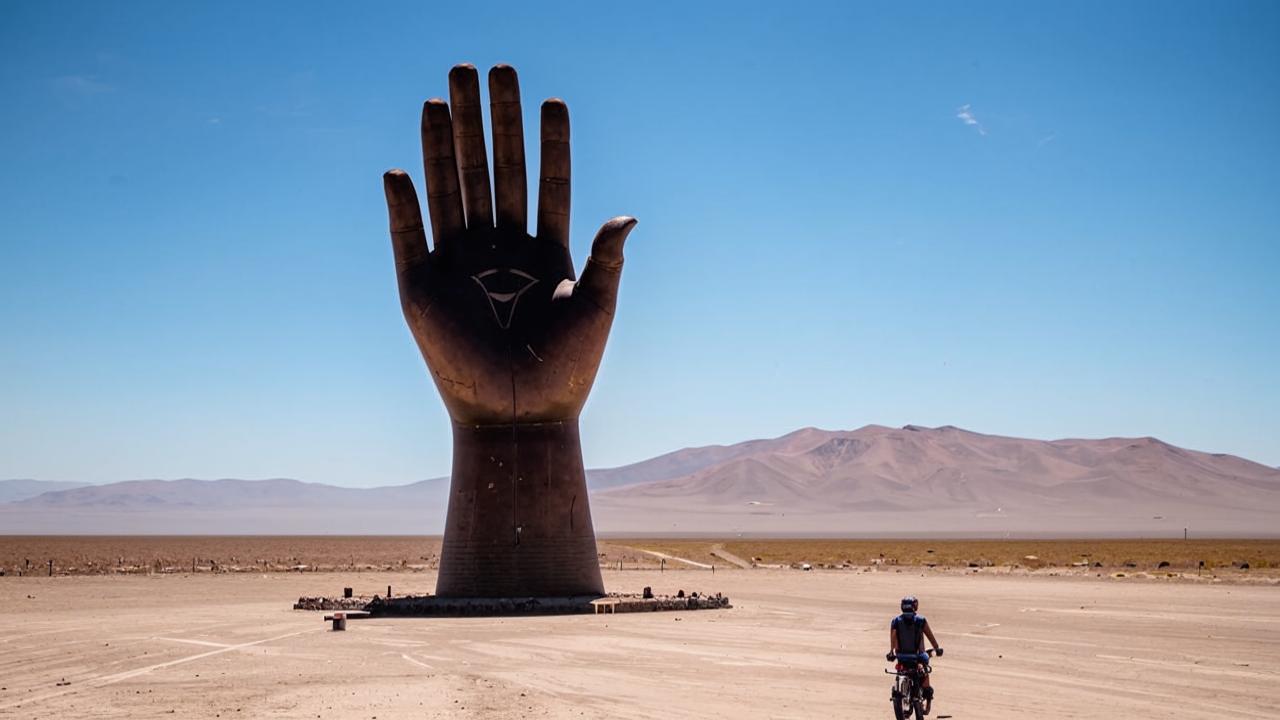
column 11, row 490
column 871, row 481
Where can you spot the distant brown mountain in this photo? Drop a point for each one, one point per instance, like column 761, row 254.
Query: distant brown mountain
column 916, row 479
column 875, row 480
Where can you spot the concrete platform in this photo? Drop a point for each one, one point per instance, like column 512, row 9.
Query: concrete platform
column 435, row 606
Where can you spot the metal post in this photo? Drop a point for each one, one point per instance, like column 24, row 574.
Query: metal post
column 50, row 568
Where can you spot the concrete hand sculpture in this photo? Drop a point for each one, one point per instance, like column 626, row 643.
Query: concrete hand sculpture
column 512, row 341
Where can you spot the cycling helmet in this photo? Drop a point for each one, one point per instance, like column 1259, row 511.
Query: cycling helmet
column 910, row 604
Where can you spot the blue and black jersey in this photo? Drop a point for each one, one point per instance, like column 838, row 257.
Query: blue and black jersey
column 909, row 628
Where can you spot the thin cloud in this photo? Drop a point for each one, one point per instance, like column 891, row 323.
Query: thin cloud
column 83, row 85
column 1046, row 140
column 966, row 116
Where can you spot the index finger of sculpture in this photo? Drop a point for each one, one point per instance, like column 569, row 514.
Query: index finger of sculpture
column 408, row 237
column 468, row 143
column 553, row 185
column 444, row 201
column 510, row 189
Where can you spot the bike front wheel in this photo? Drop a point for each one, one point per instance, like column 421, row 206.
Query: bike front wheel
column 902, row 693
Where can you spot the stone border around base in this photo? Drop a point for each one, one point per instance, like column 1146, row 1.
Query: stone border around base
column 434, row 606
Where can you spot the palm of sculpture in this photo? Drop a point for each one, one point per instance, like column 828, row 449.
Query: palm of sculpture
column 512, row 342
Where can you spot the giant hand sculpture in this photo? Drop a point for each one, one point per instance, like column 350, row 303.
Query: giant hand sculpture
column 512, row 342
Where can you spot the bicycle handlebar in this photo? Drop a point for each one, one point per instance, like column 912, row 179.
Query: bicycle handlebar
column 910, row 673
column 930, row 652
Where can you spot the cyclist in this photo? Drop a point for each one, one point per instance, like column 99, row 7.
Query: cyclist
column 906, row 640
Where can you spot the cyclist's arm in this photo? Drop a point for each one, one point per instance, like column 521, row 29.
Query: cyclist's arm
column 928, row 632
column 893, row 640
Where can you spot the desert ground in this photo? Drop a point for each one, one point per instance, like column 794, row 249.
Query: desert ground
column 795, row 645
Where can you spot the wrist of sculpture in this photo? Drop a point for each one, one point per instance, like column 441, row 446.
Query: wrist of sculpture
column 519, row 520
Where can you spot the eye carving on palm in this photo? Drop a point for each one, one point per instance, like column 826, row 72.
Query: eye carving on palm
column 503, row 301
column 508, row 332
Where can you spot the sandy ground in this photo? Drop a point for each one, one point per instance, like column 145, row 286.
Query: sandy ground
column 797, row 645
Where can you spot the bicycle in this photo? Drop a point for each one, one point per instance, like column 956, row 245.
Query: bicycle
column 906, row 696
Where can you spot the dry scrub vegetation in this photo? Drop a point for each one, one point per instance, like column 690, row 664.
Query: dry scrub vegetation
column 100, row 555
column 97, row 555
column 108, row 555
column 1111, row 554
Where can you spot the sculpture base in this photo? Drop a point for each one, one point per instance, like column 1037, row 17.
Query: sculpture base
column 436, row 606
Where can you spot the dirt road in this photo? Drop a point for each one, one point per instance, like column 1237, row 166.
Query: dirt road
column 797, row 645
column 719, row 551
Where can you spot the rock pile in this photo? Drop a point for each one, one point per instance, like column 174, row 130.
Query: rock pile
column 332, row 603
column 430, row 605
column 692, row 601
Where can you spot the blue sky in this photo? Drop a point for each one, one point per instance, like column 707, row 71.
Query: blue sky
column 1043, row 220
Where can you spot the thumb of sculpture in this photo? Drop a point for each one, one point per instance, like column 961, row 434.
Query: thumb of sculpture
column 604, row 268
